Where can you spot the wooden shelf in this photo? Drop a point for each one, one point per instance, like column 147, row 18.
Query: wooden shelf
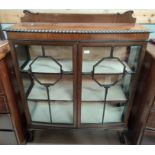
column 105, row 67
column 63, row 91
column 45, row 65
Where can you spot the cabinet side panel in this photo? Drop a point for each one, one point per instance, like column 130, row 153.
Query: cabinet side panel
column 142, row 101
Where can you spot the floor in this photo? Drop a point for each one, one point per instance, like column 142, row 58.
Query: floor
column 76, row 137
column 81, row 137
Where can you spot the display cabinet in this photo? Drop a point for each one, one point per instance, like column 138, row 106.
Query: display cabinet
column 77, row 71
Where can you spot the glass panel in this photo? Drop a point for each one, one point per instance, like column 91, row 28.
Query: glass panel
column 26, row 81
column 113, row 113
column 106, row 82
column 63, row 90
column 121, row 52
column 133, row 58
column 39, row 111
column 91, row 112
column 62, row 54
column 48, row 82
column 44, row 65
column 61, row 112
column 60, row 100
column 110, row 66
column 22, row 54
column 94, row 109
column 91, row 91
column 126, row 84
column 91, row 55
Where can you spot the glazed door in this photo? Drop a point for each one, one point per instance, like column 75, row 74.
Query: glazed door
column 49, row 80
column 106, row 82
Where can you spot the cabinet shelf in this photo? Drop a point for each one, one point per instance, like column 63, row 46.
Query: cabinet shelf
column 91, row 91
column 106, row 67
column 44, row 65
column 62, row 112
column 63, row 91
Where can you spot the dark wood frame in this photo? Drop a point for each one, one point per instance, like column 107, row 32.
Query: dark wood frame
column 74, row 56
column 77, row 50
column 143, row 103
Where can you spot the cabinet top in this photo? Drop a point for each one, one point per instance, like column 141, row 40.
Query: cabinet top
column 77, row 32
column 78, row 28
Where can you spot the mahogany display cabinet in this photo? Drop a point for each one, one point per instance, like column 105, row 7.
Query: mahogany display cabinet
column 77, row 71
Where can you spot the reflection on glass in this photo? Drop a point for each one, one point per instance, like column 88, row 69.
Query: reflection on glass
column 62, row 112
column 106, row 81
column 44, row 65
column 39, row 111
column 91, row 55
column 91, row 91
column 93, row 101
column 113, row 113
column 63, row 90
column 134, row 57
column 92, row 112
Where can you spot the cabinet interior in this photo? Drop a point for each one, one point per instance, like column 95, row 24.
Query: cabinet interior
column 47, row 73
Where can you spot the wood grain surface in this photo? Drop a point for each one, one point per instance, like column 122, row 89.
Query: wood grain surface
column 4, row 49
